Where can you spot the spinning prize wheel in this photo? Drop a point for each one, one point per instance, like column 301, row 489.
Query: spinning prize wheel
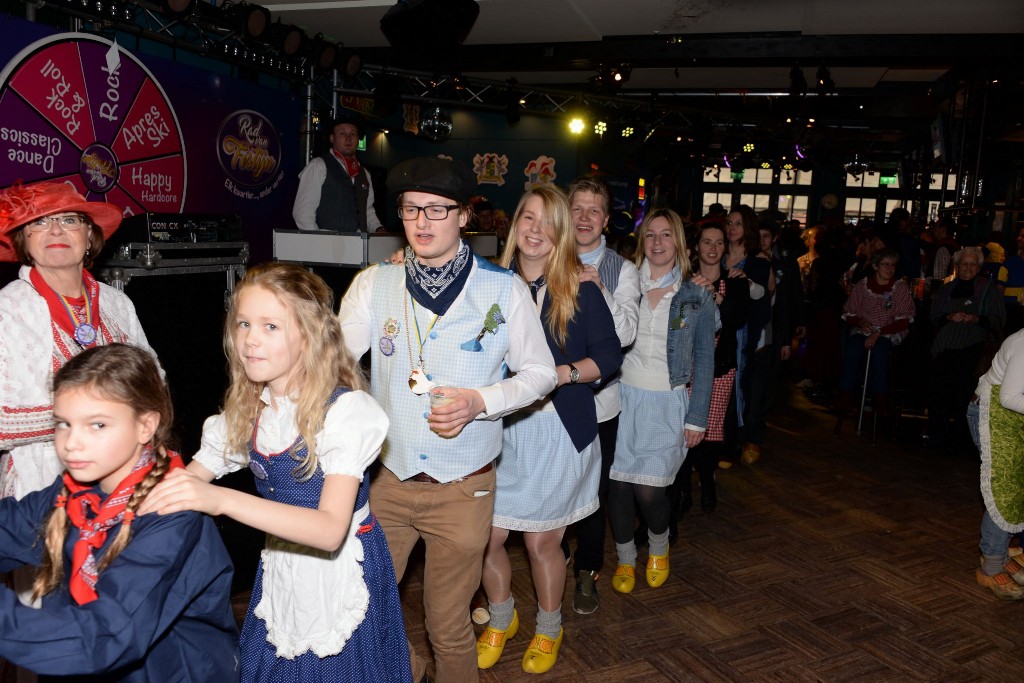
column 77, row 108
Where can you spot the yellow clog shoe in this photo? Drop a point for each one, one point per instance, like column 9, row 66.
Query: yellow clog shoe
column 624, row 579
column 657, row 570
column 491, row 643
column 542, row 653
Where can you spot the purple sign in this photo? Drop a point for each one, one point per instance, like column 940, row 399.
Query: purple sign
column 98, row 168
column 248, row 148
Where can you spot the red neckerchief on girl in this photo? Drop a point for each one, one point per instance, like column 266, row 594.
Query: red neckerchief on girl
column 58, row 312
column 351, row 164
column 83, row 499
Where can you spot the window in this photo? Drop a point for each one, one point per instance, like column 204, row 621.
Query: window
column 935, row 182
column 858, row 208
column 795, row 178
column 869, row 179
column 794, row 206
column 723, row 198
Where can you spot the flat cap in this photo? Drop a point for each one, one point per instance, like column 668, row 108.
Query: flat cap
column 433, row 176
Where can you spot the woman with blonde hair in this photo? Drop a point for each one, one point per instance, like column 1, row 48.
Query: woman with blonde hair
column 550, row 463
column 660, row 420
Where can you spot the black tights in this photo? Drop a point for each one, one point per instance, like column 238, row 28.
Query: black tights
column 653, row 504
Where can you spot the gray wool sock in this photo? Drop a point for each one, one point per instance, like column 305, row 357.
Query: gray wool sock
column 501, row 613
column 992, row 564
column 626, row 553
column 658, row 542
column 549, row 623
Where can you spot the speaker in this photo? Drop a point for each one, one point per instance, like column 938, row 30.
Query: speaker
column 429, row 24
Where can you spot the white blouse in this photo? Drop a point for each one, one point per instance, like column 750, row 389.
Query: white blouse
column 646, row 363
column 295, row 577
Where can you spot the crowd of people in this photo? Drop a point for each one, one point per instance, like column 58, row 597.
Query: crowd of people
column 565, row 385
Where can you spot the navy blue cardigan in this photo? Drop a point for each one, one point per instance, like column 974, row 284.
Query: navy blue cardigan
column 163, row 612
column 591, row 335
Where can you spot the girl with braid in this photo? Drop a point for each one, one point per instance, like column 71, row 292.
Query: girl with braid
column 124, row 598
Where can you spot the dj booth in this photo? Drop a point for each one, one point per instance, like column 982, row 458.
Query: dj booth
column 176, row 244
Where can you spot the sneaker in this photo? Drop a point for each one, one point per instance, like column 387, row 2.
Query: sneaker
column 585, row 599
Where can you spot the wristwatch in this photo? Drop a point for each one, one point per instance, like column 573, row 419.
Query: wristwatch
column 574, row 374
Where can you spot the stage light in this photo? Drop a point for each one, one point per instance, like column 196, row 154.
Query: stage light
column 323, row 54
column 251, row 21
column 748, row 147
column 349, row 63
column 620, row 74
column 601, row 128
column 576, row 125
column 627, row 131
column 177, row 9
column 765, row 164
column 288, row 39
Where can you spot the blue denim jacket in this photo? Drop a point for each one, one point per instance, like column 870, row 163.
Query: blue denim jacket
column 691, row 348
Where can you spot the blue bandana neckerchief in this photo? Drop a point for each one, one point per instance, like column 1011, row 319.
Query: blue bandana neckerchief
column 666, row 280
column 592, row 257
column 437, row 288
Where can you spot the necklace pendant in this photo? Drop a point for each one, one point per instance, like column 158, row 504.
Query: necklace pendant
column 418, row 382
column 85, row 334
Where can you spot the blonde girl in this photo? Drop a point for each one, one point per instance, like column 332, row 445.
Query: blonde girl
column 124, row 598
column 549, row 467
column 296, row 415
column 660, row 418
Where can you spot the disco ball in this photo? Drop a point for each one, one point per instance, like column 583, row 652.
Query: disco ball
column 436, row 124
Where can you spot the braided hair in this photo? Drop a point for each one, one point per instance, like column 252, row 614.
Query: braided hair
column 123, row 374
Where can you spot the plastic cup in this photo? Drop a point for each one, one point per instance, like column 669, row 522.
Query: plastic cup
column 442, row 396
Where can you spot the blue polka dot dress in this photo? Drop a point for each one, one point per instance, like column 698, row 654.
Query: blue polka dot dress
column 377, row 649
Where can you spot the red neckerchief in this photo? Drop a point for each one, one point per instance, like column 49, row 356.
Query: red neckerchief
column 58, row 313
column 351, row 164
column 83, row 499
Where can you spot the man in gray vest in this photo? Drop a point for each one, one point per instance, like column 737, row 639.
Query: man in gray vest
column 335, row 192
column 619, row 281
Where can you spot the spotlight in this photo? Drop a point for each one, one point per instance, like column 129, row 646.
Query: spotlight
column 350, row 63
column 601, row 128
column 621, row 74
column 576, row 125
column 748, row 147
column 251, row 21
column 288, row 39
column 459, row 81
column 322, row 54
column 627, row 131
column 177, row 9
column 765, row 164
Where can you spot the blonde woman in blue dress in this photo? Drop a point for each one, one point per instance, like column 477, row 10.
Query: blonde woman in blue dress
column 667, row 377
column 550, row 462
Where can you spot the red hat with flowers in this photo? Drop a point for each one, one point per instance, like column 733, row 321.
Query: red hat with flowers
column 22, row 204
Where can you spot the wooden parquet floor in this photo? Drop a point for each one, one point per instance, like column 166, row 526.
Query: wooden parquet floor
column 828, row 560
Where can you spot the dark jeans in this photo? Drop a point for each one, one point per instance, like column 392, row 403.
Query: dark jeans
column 755, row 392
column 590, row 530
column 853, row 363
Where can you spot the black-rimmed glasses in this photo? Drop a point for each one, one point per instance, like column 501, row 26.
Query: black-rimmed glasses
column 434, row 212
